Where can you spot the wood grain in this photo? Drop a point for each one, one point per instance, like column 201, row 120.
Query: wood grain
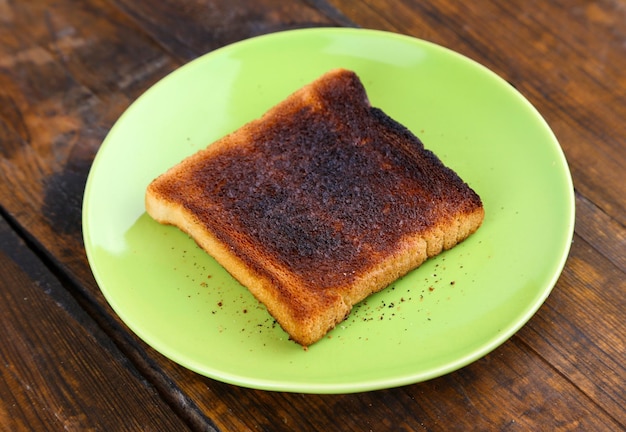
column 520, row 398
column 54, row 358
column 203, row 26
column 580, row 330
column 66, row 74
column 68, row 69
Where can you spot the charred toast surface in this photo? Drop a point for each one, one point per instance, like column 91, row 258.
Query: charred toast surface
column 317, row 204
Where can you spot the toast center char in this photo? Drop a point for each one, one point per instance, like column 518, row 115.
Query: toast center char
column 325, row 189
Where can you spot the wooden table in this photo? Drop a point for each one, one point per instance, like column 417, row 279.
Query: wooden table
column 69, row 68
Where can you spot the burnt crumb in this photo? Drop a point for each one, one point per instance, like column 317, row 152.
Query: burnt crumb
column 452, row 282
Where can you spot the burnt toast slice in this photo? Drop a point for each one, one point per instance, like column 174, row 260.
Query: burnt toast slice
column 317, row 204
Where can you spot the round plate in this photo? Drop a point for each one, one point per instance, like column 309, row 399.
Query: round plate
column 449, row 312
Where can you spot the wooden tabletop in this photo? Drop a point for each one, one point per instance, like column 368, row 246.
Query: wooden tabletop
column 69, row 68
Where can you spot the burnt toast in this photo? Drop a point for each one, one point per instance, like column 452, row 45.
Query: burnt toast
column 317, row 204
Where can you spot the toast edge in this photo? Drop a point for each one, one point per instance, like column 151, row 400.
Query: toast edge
column 302, row 320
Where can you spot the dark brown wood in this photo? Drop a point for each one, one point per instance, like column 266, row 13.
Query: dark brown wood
column 580, row 330
column 59, row 370
column 69, row 68
column 202, row 26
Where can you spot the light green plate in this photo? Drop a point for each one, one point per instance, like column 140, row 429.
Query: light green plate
column 449, row 312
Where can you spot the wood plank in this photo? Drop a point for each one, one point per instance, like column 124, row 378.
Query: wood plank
column 204, row 26
column 59, row 370
column 596, row 227
column 534, row 386
column 63, row 86
column 581, row 330
column 510, row 389
column 67, row 71
column 89, row 44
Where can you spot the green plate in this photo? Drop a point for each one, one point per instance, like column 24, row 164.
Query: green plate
column 447, row 313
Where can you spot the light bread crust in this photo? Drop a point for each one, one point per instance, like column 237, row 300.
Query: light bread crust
column 263, row 233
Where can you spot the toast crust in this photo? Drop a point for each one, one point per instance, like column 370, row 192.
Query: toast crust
column 318, row 204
